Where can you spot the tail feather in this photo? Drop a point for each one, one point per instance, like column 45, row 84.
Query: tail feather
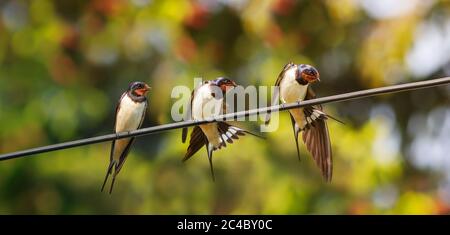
column 227, row 134
column 210, row 153
column 108, row 172
column 296, row 131
column 112, row 183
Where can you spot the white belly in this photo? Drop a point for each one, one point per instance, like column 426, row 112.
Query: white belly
column 292, row 91
column 128, row 119
column 212, row 133
column 130, row 114
column 204, row 105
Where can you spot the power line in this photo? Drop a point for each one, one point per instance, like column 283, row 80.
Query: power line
column 230, row 116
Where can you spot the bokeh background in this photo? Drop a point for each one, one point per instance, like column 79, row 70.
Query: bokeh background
column 64, row 64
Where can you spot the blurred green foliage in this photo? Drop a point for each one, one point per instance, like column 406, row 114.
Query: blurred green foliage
column 64, row 64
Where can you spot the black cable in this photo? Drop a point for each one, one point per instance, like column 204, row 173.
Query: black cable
column 230, row 116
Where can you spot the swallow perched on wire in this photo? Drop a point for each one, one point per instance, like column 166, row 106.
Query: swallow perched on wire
column 130, row 113
column 213, row 135
column 294, row 86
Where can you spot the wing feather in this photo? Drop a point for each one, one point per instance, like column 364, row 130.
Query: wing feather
column 198, row 140
column 317, row 139
column 115, row 120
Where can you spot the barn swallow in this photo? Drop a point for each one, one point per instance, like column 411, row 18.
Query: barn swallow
column 212, row 135
column 130, row 113
column 294, row 86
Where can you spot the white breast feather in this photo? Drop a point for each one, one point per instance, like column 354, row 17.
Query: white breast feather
column 128, row 118
column 205, row 105
column 290, row 89
column 129, row 115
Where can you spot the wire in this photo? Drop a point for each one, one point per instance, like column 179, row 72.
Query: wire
column 229, row 116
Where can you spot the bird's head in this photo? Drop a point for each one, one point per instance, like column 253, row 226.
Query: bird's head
column 225, row 83
column 306, row 74
column 139, row 89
